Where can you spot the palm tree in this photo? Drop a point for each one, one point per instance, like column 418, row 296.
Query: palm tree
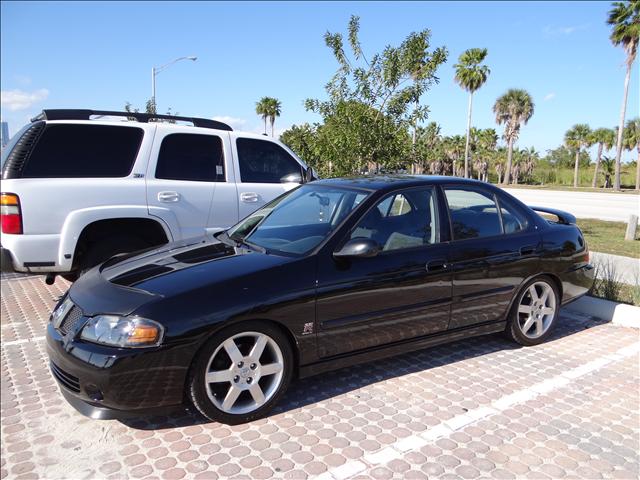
column 514, row 109
column 605, row 138
column 262, row 109
column 274, row 110
column 631, row 141
column 624, row 19
column 577, row 137
column 470, row 75
column 454, row 149
column 487, row 140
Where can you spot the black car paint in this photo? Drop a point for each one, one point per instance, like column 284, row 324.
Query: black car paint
column 359, row 309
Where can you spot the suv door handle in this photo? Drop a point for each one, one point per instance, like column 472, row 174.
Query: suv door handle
column 249, row 197
column 436, row 265
column 168, row 197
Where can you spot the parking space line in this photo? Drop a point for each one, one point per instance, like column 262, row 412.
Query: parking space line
column 413, row 442
column 25, row 340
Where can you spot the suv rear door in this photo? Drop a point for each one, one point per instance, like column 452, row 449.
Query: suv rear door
column 265, row 170
column 188, row 171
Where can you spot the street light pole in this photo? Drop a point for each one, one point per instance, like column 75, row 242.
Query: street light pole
column 156, row 70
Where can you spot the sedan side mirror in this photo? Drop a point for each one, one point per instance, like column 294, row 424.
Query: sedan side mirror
column 358, row 247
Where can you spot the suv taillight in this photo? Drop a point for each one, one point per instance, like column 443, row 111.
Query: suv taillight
column 10, row 213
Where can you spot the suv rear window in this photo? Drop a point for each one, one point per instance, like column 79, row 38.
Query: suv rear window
column 65, row 151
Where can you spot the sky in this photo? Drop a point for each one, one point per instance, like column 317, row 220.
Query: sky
column 100, row 54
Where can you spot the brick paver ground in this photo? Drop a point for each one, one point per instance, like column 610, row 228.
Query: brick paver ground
column 476, row 408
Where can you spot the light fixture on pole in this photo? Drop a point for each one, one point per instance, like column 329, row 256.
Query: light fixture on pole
column 156, row 70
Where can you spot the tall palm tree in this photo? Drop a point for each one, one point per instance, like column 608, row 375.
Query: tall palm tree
column 470, row 75
column 577, row 137
column 514, row 109
column 262, row 109
column 605, row 138
column 624, row 19
column 274, row 110
column 631, row 141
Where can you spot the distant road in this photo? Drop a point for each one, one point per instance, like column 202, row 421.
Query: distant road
column 604, row 206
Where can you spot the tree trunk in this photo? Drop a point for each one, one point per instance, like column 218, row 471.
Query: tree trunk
column 265, row 124
column 466, row 146
column 575, row 168
column 273, row 121
column 507, row 174
column 638, row 170
column 623, row 111
column 594, row 184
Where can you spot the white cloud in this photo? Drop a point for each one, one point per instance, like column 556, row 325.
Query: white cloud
column 551, row 31
column 549, row 96
column 15, row 100
column 233, row 122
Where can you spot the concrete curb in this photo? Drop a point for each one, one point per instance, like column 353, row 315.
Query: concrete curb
column 614, row 312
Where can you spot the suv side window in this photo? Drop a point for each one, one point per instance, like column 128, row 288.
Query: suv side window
column 402, row 220
column 73, row 151
column 264, row 162
column 191, row 157
column 473, row 214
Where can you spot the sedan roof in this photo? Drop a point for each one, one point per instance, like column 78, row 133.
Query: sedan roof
column 391, row 182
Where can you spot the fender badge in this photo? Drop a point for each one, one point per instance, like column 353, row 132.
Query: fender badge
column 308, row 328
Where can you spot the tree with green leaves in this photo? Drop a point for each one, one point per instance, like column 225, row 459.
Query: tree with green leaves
column 631, row 141
column 428, row 146
column 454, row 150
column 605, row 139
column 268, row 108
column 624, row 19
column 471, row 75
column 575, row 138
column 302, row 140
column 376, row 98
column 513, row 109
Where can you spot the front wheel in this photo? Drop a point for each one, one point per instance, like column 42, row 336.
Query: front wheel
column 534, row 312
column 241, row 373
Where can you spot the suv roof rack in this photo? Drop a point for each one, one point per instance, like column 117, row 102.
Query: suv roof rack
column 79, row 114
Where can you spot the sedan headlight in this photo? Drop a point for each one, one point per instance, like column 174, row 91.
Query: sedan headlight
column 122, row 331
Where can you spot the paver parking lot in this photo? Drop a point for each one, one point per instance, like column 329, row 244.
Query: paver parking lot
column 479, row 407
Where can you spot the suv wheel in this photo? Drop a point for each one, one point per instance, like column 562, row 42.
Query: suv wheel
column 241, row 373
column 107, row 248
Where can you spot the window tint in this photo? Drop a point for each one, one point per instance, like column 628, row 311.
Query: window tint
column 512, row 220
column 84, row 151
column 188, row 156
column 264, row 162
column 473, row 214
column 401, row 220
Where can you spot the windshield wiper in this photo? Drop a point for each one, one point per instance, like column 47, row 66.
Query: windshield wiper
column 253, row 246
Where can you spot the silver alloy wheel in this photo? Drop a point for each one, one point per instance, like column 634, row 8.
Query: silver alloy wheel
column 536, row 309
column 244, row 372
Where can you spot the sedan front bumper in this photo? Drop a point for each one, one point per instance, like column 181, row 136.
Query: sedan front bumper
column 104, row 382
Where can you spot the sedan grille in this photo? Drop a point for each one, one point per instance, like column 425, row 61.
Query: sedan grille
column 71, row 321
column 66, row 379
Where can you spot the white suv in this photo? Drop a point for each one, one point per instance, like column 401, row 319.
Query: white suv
column 79, row 186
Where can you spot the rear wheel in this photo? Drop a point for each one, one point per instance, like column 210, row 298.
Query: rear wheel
column 534, row 312
column 241, row 373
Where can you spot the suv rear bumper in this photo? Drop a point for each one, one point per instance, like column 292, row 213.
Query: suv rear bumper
column 6, row 260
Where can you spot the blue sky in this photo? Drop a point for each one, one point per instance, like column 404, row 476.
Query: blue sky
column 99, row 55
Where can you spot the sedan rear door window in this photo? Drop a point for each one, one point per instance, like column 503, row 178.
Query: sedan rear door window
column 473, row 214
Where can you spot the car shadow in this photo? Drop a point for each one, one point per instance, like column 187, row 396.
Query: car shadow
column 311, row 390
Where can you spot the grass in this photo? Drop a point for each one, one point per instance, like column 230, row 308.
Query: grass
column 608, row 286
column 608, row 237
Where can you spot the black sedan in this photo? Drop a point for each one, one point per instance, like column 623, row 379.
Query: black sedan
column 331, row 274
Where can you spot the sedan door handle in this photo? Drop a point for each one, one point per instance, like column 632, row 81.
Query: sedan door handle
column 249, row 197
column 168, row 197
column 436, row 265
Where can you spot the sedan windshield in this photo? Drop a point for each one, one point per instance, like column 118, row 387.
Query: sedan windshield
column 298, row 221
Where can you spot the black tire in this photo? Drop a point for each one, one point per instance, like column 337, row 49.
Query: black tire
column 197, row 389
column 107, row 248
column 514, row 328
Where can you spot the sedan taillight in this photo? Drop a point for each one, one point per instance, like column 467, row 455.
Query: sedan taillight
column 10, row 213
